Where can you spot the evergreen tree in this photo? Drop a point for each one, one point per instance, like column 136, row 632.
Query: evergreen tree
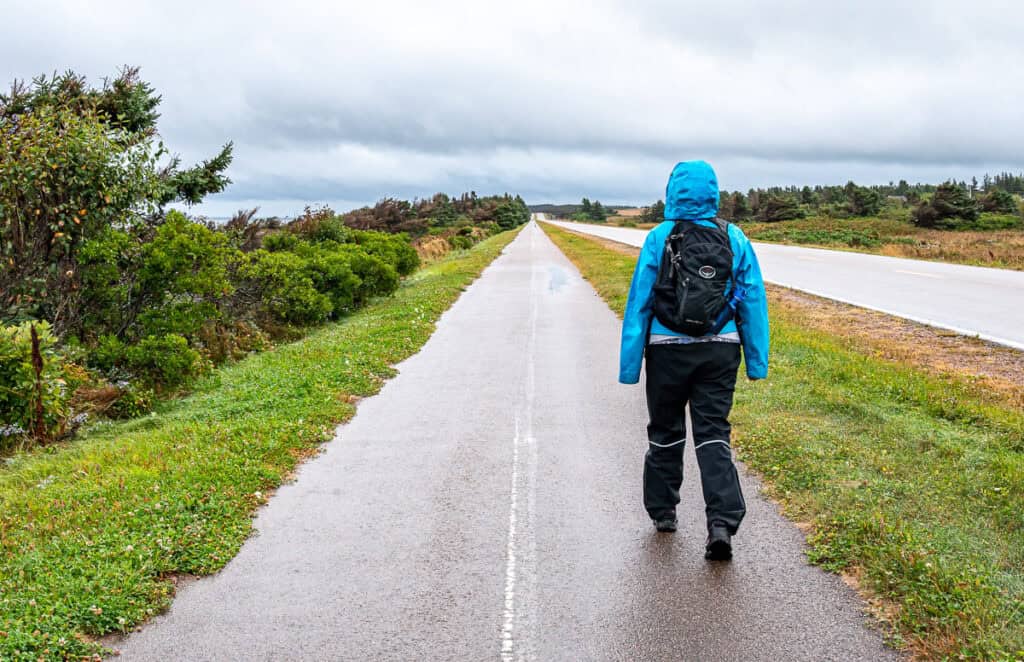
column 655, row 213
column 740, row 207
column 949, row 208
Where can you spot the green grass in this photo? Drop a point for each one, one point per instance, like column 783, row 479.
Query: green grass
column 90, row 532
column 911, row 483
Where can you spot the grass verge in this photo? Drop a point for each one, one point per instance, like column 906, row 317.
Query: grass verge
column 92, row 533
column 910, row 483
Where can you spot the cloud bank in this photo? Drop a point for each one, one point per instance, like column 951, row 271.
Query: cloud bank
column 346, row 102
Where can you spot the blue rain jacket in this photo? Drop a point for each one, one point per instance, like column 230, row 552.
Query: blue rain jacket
column 692, row 195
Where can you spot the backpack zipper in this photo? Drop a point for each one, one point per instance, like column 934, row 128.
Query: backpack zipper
column 682, row 300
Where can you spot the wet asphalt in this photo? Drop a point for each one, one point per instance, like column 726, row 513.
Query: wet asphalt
column 486, row 505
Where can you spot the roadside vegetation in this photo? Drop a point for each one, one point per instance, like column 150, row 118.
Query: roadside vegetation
column 976, row 223
column 111, row 300
column 908, row 479
column 93, row 532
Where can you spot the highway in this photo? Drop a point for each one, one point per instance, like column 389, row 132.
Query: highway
column 976, row 301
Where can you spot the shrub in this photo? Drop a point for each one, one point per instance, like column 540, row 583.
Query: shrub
column 862, row 201
column 949, row 208
column 75, row 162
column 133, row 400
column 376, row 277
column 999, row 201
column 222, row 340
column 333, row 275
column 164, row 362
column 394, row 249
column 460, row 241
column 34, row 393
column 775, row 208
column 183, row 274
column 284, row 288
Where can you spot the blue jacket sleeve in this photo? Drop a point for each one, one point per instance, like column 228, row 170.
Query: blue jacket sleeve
column 752, row 312
column 639, row 309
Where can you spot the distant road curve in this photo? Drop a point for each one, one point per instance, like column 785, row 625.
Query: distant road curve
column 974, row 301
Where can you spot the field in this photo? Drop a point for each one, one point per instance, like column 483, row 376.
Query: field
column 906, row 475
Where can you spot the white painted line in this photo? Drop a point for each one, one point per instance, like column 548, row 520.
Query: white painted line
column 918, row 273
column 519, row 613
column 509, row 615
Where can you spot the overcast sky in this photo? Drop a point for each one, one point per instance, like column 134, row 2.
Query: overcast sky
column 346, row 102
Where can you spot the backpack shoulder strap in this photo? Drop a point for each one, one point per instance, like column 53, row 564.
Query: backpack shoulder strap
column 722, row 224
column 678, row 230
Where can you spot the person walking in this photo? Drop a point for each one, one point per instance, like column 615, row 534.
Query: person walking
column 696, row 298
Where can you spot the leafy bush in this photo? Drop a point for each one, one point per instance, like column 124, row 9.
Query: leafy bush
column 394, row 249
column 183, row 273
column 333, row 275
column 133, row 401
column 284, row 288
column 376, row 277
column 460, row 242
column 74, row 163
column 34, row 392
column 164, row 362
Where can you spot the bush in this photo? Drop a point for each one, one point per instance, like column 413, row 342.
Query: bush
column 333, row 275
column 164, row 362
column 999, row 201
column 376, row 277
column 394, row 249
column 460, row 242
column 987, row 221
column 34, row 392
column 949, row 208
column 774, row 208
column 862, row 201
column 133, row 401
column 183, row 275
column 74, row 163
column 284, row 289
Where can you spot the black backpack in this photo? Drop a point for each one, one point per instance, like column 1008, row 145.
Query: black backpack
column 696, row 268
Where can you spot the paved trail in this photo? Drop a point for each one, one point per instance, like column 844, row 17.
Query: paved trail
column 486, row 506
column 971, row 300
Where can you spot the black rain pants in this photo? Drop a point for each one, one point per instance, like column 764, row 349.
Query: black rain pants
column 703, row 375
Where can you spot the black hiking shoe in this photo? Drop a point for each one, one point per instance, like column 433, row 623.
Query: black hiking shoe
column 719, row 545
column 666, row 523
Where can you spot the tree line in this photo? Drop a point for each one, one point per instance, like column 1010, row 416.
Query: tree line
column 950, row 205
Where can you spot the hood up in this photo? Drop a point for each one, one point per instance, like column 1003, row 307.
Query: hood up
column 692, row 192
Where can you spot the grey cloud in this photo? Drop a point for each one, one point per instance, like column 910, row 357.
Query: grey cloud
column 352, row 101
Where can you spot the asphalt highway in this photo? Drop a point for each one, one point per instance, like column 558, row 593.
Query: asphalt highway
column 976, row 301
column 486, row 506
